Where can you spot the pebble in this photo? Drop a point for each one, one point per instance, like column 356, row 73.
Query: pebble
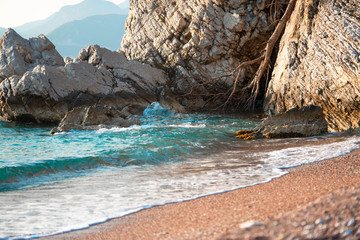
column 309, row 227
column 319, row 221
column 250, row 224
column 336, row 216
column 296, row 224
column 350, row 222
column 347, row 233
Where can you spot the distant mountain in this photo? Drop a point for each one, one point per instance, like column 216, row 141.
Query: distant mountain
column 67, row 14
column 104, row 30
column 2, row 31
column 124, row 6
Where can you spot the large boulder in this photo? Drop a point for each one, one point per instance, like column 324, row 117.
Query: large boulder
column 297, row 122
column 46, row 93
column 318, row 62
column 304, row 122
column 95, row 117
column 18, row 55
column 199, row 40
column 98, row 77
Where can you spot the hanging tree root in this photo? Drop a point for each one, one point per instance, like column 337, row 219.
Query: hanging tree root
column 238, row 70
column 254, row 85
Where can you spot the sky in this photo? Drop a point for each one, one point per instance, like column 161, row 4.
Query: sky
column 14, row 13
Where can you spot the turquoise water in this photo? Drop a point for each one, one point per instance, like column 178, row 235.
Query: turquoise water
column 51, row 184
column 29, row 153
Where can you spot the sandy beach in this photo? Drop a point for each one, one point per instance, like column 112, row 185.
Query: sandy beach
column 317, row 200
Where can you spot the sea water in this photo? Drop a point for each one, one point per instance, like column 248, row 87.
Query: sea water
column 52, row 184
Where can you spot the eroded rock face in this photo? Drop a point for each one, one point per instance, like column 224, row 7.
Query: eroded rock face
column 101, row 83
column 198, row 40
column 18, row 55
column 318, row 62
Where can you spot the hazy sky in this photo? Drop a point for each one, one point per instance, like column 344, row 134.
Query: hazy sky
column 17, row 12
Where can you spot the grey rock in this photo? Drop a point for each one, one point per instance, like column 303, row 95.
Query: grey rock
column 95, row 117
column 303, row 122
column 318, row 63
column 18, row 55
column 110, row 112
column 233, row 22
column 101, row 83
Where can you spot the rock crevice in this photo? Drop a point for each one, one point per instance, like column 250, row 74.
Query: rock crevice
column 198, row 40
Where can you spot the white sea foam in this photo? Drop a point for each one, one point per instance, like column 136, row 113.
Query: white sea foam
column 295, row 156
column 211, row 162
column 78, row 202
column 120, row 129
column 188, row 125
column 138, row 127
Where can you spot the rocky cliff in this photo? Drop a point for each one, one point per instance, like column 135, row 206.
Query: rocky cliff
column 319, row 62
column 188, row 43
column 198, row 40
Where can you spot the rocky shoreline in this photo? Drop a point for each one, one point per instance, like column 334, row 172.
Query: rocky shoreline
column 177, row 53
column 100, row 87
column 176, row 59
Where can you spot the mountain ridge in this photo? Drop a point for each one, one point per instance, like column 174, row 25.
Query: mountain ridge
column 2, row 31
column 67, row 14
column 104, row 30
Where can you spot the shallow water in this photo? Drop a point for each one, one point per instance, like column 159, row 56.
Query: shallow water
column 51, row 184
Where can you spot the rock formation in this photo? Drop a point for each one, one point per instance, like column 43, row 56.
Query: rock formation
column 18, row 55
column 319, row 62
column 303, row 122
column 102, row 85
column 192, row 41
column 198, row 40
column 95, row 117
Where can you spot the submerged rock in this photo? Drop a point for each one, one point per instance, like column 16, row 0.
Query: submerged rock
column 318, row 63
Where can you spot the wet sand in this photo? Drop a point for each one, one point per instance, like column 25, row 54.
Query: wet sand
column 310, row 200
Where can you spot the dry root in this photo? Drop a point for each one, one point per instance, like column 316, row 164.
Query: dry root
column 255, row 82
